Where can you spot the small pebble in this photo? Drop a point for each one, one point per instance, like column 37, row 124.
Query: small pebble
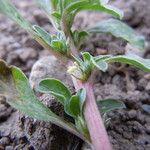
column 9, row 148
column 132, row 114
column 4, row 141
column 147, row 128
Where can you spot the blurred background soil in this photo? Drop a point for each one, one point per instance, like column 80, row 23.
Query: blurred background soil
column 129, row 129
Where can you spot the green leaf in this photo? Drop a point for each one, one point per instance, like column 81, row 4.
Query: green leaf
column 87, row 59
column 101, row 65
column 9, row 10
column 87, row 65
column 74, row 107
column 46, row 37
column 131, row 59
column 108, row 105
column 143, row 64
column 101, row 57
column 82, row 5
column 86, row 56
column 82, row 34
column 78, row 36
column 82, row 96
column 119, row 29
column 89, row 62
column 68, row 2
column 15, row 87
column 58, row 45
column 56, row 15
column 96, row 6
column 56, row 88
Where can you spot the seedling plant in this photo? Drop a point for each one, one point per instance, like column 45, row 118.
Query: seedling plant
column 65, row 45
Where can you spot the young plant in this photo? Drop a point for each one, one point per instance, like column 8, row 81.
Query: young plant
column 66, row 45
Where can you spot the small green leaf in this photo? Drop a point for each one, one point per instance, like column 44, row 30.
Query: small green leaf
column 56, row 88
column 74, row 107
column 84, row 66
column 46, row 37
column 87, row 65
column 82, row 34
column 58, row 45
column 56, row 15
column 78, row 36
column 108, row 105
column 86, row 56
column 9, row 10
column 15, row 87
column 89, row 61
column 101, row 65
column 143, row 64
column 119, row 29
column 82, row 96
column 99, row 62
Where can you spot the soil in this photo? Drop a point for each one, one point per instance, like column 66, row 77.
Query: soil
column 128, row 129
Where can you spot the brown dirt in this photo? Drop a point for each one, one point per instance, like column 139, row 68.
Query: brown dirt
column 129, row 129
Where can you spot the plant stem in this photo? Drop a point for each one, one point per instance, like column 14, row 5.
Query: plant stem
column 98, row 134
column 93, row 118
column 68, row 33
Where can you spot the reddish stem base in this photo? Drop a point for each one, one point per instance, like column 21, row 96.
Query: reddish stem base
column 98, row 134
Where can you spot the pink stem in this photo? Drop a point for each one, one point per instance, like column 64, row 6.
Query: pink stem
column 98, row 134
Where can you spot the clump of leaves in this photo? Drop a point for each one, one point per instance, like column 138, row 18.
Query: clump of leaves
column 66, row 45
